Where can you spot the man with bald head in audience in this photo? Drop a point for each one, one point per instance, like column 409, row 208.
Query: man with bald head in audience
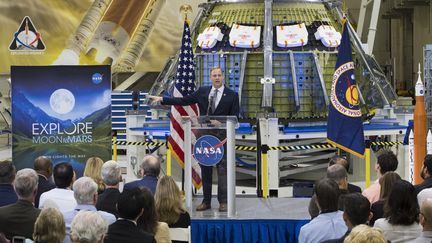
column 346, row 164
column 44, row 168
column 7, row 176
column 426, row 222
column 338, row 174
column 149, row 170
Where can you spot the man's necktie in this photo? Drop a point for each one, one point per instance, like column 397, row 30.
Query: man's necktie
column 213, row 104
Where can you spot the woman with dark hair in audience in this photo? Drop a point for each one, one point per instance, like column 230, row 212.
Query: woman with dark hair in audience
column 169, row 204
column 49, row 226
column 401, row 212
column 93, row 169
column 386, row 182
column 148, row 220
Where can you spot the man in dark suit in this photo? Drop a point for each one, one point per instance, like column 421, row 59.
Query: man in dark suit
column 426, row 174
column 7, row 176
column 149, row 169
column 125, row 228
column 111, row 176
column 345, row 163
column 43, row 166
column 215, row 100
column 18, row 219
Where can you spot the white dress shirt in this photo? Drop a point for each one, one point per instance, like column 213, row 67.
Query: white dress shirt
column 63, row 198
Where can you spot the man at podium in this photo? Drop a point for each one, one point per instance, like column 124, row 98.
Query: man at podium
column 215, row 100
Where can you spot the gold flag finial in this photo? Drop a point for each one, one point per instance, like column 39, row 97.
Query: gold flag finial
column 185, row 9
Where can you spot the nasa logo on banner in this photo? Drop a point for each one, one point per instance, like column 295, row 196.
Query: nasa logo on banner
column 208, row 150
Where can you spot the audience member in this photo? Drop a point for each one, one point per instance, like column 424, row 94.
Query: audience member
column 62, row 195
column 85, row 193
column 125, row 229
column 386, row 183
column 339, row 175
column 111, row 176
column 18, row 219
column 356, row 212
column 386, row 161
column 425, row 173
column 346, row 164
column 7, row 176
column 49, row 226
column 44, row 168
column 149, row 170
column 426, row 222
column 148, row 220
column 93, row 170
column 401, row 214
column 88, row 227
column 329, row 223
column 169, row 204
column 365, row 234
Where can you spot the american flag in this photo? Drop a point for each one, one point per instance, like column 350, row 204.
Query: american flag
column 184, row 85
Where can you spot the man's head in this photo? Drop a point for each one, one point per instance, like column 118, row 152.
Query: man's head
column 340, row 161
column 426, row 170
column 338, row 173
column 426, row 214
column 85, row 191
column 63, row 175
column 25, row 184
column 327, row 193
column 150, row 166
column 111, row 173
column 217, row 77
column 7, row 172
column 43, row 166
column 356, row 210
column 88, row 226
column 386, row 161
column 129, row 204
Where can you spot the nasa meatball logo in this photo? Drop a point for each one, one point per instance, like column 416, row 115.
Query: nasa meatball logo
column 208, row 150
column 97, row 78
column 27, row 39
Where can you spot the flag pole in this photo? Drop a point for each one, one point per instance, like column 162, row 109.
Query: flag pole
column 367, row 163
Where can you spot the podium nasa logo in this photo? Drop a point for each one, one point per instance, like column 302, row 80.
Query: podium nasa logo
column 208, row 150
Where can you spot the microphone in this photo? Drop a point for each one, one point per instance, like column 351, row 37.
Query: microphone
column 211, row 98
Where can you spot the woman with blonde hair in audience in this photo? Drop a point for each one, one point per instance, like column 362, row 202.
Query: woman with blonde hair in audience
column 401, row 212
column 93, row 169
column 169, row 204
column 386, row 182
column 148, row 221
column 365, row 234
column 49, row 226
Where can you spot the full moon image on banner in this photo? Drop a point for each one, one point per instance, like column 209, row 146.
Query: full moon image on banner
column 62, row 101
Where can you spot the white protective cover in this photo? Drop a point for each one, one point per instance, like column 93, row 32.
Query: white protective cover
column 209, row 37
column 328, row 36
column 291, row 35
column 245, row 36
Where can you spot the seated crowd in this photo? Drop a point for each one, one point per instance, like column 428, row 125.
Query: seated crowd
column 90, row 208
column 93, row 209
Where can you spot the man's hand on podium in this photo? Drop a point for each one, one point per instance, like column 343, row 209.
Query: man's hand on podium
column 154, row 99
column 215, row 123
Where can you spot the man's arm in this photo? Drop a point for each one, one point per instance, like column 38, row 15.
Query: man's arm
column 187, row 100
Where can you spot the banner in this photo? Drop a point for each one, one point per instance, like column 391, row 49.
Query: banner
column 62, row 112
column 344, row 123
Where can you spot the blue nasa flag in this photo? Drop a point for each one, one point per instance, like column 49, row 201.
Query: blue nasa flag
column 344, row 123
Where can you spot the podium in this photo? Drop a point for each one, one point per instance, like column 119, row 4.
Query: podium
column 209, row 149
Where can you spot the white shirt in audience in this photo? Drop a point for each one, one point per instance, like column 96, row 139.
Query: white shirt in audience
column 63, row 198
column 325, row 226
column 426, row 237
column 398, row 233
